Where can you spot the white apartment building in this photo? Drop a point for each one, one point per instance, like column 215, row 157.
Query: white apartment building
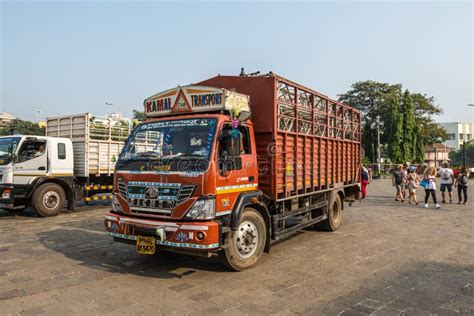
column 5, row 119
column 458, row 133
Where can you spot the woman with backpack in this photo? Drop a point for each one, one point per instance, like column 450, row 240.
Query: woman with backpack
column 462, row 182
column 398, row 180
column 429, row 183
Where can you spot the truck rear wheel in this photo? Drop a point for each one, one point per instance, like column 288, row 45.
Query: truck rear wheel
column 244, row 247
column 334, row 215
column 49, row 199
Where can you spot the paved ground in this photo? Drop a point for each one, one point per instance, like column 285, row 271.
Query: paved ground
column 387, row 259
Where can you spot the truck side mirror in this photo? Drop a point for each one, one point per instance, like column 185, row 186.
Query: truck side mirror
column 244, row 115
column 15, row 158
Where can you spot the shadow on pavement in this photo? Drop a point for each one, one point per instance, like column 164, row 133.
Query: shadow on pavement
column 29, row 212
column 94, row 249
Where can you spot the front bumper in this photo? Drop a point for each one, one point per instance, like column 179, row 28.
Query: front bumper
column 182, row 235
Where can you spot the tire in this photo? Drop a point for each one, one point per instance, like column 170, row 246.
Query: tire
column 334, row 215
column 243, row 248
column 48, row 199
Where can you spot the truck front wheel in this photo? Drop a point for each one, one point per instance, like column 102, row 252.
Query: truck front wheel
column 244, row 247
column 49, row 199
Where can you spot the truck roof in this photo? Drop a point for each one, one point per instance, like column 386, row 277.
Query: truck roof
column 36, row 136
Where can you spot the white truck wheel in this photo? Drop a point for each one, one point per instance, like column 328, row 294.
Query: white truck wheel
column 48, row 199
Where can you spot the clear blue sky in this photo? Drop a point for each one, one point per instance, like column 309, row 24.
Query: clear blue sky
column 65, row 58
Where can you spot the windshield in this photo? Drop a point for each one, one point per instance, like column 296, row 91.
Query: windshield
column 7, row 149
column 160, row 145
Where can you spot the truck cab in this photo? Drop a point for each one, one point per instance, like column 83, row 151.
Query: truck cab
column 28, row 163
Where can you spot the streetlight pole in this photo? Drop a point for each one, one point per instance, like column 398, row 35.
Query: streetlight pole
column 377, row 120
column 111, row 104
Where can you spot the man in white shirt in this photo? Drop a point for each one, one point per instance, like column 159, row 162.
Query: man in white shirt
column 447, row 180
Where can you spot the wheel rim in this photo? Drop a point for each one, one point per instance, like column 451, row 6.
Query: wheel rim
column 336, row 212
column 246, row 239
column 51, row 200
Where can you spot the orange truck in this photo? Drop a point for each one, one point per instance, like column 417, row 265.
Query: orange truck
column 232, row 164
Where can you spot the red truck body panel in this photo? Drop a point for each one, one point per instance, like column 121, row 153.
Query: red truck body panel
column 306, row 142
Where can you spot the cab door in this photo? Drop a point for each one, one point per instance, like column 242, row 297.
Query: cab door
column 31, row 161
column 237, row 167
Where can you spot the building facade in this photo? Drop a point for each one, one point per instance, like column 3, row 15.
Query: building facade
column 5, row 119
column 435, row 155
column 458, row 133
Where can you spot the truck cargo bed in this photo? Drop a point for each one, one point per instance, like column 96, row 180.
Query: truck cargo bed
column 306, row 142
column 97, row 141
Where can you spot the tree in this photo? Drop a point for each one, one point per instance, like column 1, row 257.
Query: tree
column 139, row 115
column 395, row 131
column 371, row 98
column 408, row 137
column 457, row 157
column 418, row 145
column 18, row 126
column 374, row 98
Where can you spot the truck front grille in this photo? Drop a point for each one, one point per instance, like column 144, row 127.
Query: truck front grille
column 122, row 188
column 154, row 197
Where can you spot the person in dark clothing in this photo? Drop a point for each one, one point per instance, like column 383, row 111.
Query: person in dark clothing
column 462, row 181
column 398, row 179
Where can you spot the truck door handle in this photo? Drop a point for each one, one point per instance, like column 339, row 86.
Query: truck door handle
column 251, row 178
column 42, row 168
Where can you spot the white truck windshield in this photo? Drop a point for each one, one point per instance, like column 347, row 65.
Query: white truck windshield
column 7, row 148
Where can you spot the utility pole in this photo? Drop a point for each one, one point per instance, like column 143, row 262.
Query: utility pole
column 464, row 139
column 377, row 124
column 112, row 105
column 377, row 120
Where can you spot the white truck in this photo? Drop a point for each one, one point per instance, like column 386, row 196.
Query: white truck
column 75, row 161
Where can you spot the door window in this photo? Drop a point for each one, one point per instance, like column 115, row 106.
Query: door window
column 61, row 151
column 31, row 149
column 231, row 146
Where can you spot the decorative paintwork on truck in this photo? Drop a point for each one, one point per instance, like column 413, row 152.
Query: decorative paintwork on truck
column 192, row 99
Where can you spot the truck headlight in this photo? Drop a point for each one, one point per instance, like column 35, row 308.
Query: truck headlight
column 6, row 194
column 203, row 208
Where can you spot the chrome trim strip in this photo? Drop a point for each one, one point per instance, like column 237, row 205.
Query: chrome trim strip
column 166, row 243
column 223, row 213
column 150, row 210
column 157, row 224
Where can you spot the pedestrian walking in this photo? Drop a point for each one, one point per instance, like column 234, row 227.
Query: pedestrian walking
column 397, row 182
column 462, row 182
column 429, row 183
column 412, row 182
column 365, row 178
column 406, row 168
column 447, row 179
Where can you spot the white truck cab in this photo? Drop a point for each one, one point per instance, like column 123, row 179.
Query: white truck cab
column 36, row 171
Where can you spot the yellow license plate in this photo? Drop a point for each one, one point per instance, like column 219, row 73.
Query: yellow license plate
column 146, row 245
